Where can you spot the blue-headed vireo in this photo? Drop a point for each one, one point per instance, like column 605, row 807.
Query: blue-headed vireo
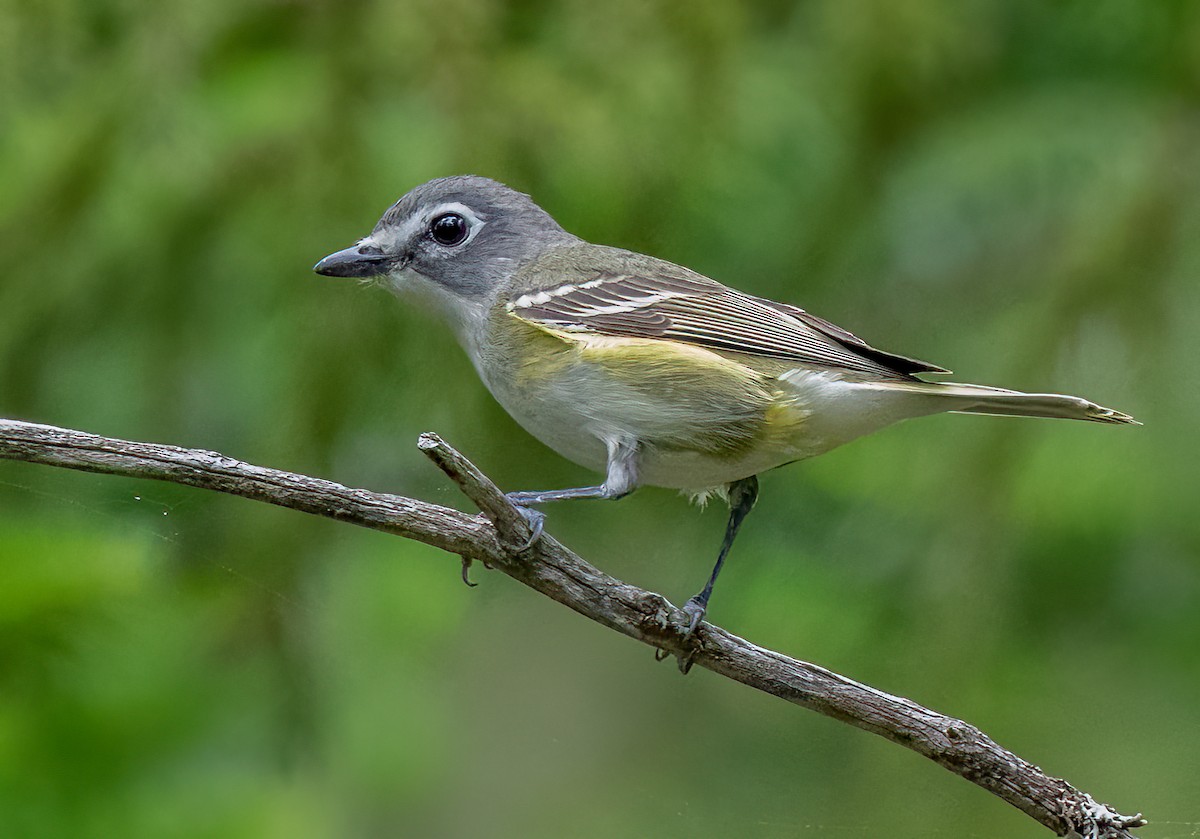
column 641, row 368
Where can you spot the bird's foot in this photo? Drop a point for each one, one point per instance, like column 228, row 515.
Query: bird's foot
column 695, row 609
column 536, row 519
column 467, row 562
column 466, row 571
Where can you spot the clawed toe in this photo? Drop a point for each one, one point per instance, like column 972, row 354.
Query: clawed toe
column 536, row 520
column 466, row 572
column 695, row 610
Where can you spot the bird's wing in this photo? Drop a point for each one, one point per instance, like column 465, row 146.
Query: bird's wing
column 682, row 306
column 898, row 363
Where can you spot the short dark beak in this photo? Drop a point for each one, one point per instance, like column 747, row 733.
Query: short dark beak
column 358, row 261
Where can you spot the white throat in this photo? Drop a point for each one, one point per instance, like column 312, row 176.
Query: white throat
column 466, row 317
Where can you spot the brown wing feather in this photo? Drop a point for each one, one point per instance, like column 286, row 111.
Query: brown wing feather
column 673, row 305
column 899, row 363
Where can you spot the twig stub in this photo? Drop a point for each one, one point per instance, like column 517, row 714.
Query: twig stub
column 478, row 487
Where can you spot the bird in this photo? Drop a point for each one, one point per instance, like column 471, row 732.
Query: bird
column 644, row 370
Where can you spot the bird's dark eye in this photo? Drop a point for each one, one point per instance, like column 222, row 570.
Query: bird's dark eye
column 448, row 229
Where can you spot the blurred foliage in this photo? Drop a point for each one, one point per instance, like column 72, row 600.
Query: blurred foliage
column 1010, row 188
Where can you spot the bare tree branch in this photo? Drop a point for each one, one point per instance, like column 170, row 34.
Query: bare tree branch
column 550, row 568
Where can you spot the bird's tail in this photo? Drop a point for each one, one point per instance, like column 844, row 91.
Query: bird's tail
column 979, row 399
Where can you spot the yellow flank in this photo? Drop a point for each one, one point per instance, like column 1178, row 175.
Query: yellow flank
column 541, row 355
column 784, row 421
column 691, row 398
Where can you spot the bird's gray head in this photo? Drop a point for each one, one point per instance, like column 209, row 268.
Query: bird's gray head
column 462, row 235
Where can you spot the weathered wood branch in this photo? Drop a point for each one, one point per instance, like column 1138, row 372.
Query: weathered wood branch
column 551, row 569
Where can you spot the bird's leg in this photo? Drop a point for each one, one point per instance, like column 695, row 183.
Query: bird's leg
column 621, row 480
column 742, row 495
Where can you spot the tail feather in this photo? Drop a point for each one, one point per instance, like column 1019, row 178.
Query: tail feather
column 980, row 399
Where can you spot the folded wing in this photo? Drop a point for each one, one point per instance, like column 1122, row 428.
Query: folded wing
column 681, row 306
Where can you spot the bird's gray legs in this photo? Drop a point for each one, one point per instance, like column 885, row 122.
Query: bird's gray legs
column 619, row 482
column 622, row 479
column 742, row 495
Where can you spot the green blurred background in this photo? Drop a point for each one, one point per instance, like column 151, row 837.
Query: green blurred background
column 1011, row 189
